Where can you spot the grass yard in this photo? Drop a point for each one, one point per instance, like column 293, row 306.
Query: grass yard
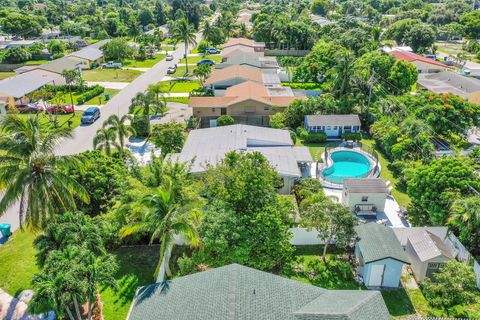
column 136, row 268
column 47, row 120
column 35, row 62
column 398, row 302
column 316, row 149
column 182, row 72
column 100, row 99
column 177, row 86
column 64, row 97
column 5, row 75
column 217, row 58
column 147, row 63
column 17, row 262
column 110, row 75
column 303, row 85
column 183, row 100
column 402, row 198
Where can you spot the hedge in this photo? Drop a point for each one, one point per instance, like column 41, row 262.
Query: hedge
column 352, row 136
column 316, row 137
column 91, row 93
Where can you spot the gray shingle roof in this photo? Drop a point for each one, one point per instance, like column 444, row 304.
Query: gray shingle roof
column 250, row 59
column 88, row 53
column 449, row 82
column 333, row 120
column 404, row 233
column 22, row 84
column 209, row 146
column 379, row 242
column 235, row 292
column 365, row 185
column 428, row 246
column 59, row 65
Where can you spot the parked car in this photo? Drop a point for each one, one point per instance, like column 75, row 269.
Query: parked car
column 90, row 115
column 60, row 108
column 169, row 57
column 30, row 108
column 172, row 70
column 212, row 51
column 207, row 62
column 111, row 65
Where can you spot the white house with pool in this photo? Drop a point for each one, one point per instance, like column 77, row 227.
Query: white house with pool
column 333, row 125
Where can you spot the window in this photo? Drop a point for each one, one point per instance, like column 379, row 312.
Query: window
column 213, row 109
column 364, row 198
column 266, row 108
column 329, row 128
column 335, row 128
column 356, row 128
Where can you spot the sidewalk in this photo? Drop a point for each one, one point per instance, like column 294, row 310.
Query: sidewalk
column 110, row 85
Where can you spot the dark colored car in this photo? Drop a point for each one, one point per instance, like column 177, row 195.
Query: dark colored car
column 60, row 108
column 207, row 62
column 90, row 115
column 30, row 108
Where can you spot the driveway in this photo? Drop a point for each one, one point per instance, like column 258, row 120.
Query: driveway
column 110, row 85
column 177, row 112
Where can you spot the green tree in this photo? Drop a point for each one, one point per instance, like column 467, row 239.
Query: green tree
column 320, row 7
column 420, row 37
column 403, row 76
column 36, row 48
column 118, row 49
column 105, row 140
column 31, row 172
column 160, row 104
column 454, row 284
column 141, row 125
column 184, row 32
column 277, row 120
column 55, row 47
column 202, row 73
column 162, row 219
column 434, row 187
column 332, row 221
column 119, row 124
column 225, row 120
column 465, row 219
column 21, row 25
column 398, row 30
column 169, row 137
column 17, row 55
column 471, row 22
column 72, row 78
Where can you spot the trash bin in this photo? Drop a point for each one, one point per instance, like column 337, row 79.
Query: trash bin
column 107, row 96
column 5, row 230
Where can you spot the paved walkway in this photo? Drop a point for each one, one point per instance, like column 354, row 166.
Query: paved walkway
column 110, row 85
column 176, row 95
column 140, row 69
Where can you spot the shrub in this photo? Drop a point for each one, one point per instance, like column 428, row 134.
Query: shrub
column 225, row 120
column 316, row 137
column 141, row 124
column 301, row 133
column 352, row 136
column 17, row 55
column 202, row 46
column 58, row 55
column 91, row 93
column 169, row 137
column 293, row 135
column 277, row 120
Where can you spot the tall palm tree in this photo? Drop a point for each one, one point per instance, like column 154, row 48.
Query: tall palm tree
column 163, row 218
column 30, row 172
column 106, row 139
column 156, row 90
column 185, row 32
column 122, row 130
column 344, row 82
column 144, row 101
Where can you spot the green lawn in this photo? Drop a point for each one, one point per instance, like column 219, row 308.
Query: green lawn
column 17, row 262
column 183, row 100
column 147, row 63
column 217, row 58
column 180, row 86
column 48, row 120
column 5, row 75
column 36, row 62
column 110, row 75
column 398, row 302
column 182, row 71
column 64, row 97
column 316, row 149
column 136, row 268
column 402, row 198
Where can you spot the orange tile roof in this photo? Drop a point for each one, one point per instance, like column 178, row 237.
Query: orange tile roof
column 235, row 71
column 247, row 90
column 410, row 57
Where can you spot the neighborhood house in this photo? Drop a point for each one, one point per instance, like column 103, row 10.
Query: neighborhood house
column 423, row 64
column 208, row 147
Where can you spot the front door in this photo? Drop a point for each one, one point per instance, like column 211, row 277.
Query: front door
column 376, row 275
column 223, row 111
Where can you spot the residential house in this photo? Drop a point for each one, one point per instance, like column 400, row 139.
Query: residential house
column 208, row 147
column 233, row 51
column 451, row 82
column 14, row 90
column 88, row 57
column 427, row 249
column 238, row 292
column 221, row 79
column 365, row 196
column 379, row 256
column 322, row 21
column 52, row 70
column 333, row 125
column 248, row 60
column 249, row 100
column 423, row 64
column 243, row 42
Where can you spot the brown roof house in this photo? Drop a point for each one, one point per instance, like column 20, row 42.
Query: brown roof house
column 250, row 102
column 221, row 79
column 243, row 42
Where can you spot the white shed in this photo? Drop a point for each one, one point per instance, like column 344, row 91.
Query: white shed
column 365, row 196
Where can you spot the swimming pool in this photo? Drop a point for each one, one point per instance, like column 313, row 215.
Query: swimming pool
column 346, row 164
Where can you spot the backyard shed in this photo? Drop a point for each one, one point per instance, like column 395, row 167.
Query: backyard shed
column 365, row 196
column 379, row 256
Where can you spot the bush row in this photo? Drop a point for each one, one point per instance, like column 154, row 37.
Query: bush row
column 91, row 93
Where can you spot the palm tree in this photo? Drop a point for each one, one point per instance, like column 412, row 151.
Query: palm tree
column 156, row 90
column 144, row 101
column 122, row 130
column 202, row 73
column 163, row 218
column 185, row 33
column 105, row 139
column 344, row 70
column 31, row 172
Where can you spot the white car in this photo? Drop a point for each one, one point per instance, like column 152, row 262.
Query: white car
column 169, row 57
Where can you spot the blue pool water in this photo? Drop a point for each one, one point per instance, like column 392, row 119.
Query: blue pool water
column 346, row 164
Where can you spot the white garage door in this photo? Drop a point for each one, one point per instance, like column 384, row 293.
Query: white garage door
column 376, row 275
